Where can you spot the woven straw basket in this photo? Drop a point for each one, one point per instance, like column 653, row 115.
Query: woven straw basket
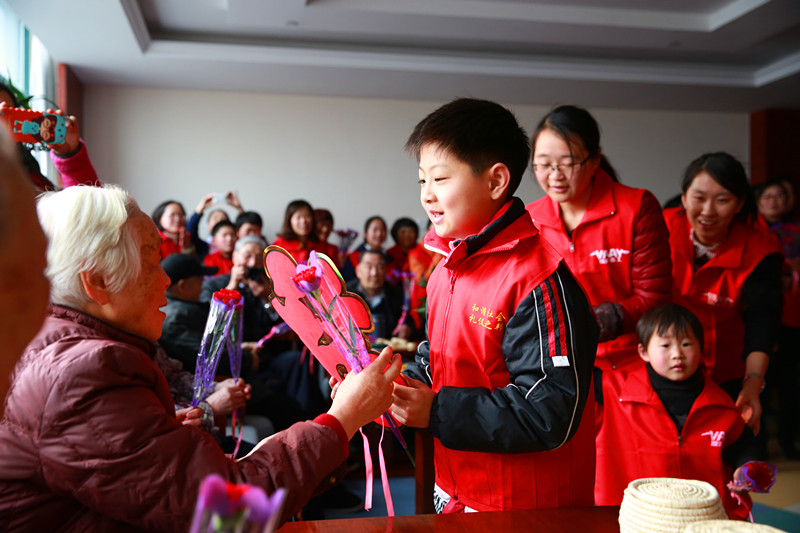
column 729, row 526
column 667, row 505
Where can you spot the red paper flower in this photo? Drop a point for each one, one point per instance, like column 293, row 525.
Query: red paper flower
column 305, row 275
column 760, row 475
column 228, row 297
column 755, row 476
column 223, row 327
column 308, row 277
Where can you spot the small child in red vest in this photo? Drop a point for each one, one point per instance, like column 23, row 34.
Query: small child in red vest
column 668, row 419
column 223, row 238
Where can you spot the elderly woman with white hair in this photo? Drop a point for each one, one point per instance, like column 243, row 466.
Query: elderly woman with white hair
column 90, row 440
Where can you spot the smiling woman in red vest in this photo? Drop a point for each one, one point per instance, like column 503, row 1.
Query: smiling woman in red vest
column 727, row 272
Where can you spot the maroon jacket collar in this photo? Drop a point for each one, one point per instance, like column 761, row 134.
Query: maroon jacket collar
column 103, row 329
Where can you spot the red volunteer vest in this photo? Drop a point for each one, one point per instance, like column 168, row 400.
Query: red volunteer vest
column 168, row 246
column 638, row 438
column 599, row 254
column 223, row 264
column 713, row 291
column 470, row 299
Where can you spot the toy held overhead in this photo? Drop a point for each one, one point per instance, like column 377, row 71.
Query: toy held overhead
column 30, row 126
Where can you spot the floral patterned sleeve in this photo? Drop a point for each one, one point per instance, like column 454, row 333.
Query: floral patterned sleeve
column 180, row 387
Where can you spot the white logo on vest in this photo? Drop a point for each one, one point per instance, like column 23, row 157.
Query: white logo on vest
column 614, row 255
column 717, row 438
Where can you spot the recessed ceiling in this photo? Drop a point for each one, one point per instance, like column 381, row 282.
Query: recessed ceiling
column 725, row 55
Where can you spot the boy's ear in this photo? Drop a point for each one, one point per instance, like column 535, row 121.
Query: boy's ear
column 643, row 353
column 95, row 287
column 499, row 180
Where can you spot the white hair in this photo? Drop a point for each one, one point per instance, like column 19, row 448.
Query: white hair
column 88, row 231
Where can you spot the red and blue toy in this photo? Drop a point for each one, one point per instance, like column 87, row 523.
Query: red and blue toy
column 30, row 126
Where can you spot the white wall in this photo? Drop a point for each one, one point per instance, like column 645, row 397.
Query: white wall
column 343, row 154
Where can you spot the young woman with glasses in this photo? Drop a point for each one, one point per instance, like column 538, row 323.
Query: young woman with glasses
column 612, row 236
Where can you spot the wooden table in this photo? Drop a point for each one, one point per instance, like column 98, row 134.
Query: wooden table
column 566, row 520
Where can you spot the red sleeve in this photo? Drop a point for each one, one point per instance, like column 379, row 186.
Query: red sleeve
column 332, row 422
column 651, row 269
column 168, row 246
column 77, row 169
column 354, row 257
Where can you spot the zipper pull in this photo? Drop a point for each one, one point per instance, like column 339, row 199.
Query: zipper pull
column 571, row 246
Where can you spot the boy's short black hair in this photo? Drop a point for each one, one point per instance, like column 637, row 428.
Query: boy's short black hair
column 248, row 217
column 477, row 132
column 222, row 224
column 665, row 317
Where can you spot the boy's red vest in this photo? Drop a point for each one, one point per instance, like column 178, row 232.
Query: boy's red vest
column 713, row 292
column 466, row 351
column 639, row 439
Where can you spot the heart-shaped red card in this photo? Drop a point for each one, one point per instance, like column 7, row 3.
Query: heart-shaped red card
column 348, row 311
column 293, row 307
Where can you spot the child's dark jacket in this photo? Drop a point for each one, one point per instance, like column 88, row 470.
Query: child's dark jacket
column 510, row 356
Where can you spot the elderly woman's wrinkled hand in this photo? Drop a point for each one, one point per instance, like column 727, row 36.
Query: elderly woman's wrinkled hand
column 189, row 416
column 365, row 396
column 229, row 395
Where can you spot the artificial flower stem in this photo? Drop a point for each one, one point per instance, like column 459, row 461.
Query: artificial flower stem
column 352, row 353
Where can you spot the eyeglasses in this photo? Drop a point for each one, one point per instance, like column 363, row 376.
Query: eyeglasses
column 563, row 168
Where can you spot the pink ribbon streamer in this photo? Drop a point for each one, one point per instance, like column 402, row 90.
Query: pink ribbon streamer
column 368, row 468
column 743, row 503
column 236, row 424
column 387, row 494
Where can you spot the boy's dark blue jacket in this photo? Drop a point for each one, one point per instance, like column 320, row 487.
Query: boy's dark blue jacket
column 512, row 341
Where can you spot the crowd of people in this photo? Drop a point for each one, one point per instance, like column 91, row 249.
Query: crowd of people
column 554, row 338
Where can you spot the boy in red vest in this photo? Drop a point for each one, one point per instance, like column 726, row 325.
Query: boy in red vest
column 223, row 239
column 668, row 419
column 503, row 380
